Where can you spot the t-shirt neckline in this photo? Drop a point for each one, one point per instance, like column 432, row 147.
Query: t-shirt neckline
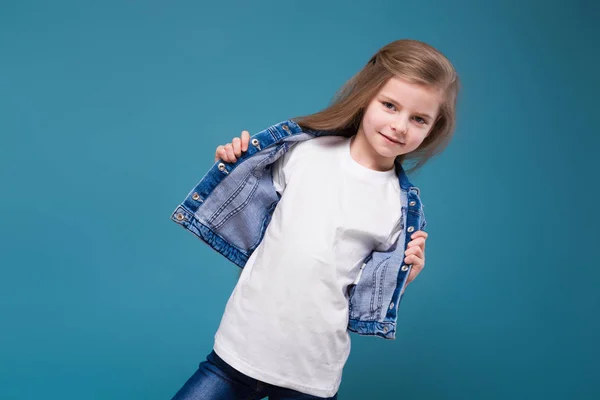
column 359, row 170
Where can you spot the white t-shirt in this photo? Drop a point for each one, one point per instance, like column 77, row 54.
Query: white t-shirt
column 286, row 320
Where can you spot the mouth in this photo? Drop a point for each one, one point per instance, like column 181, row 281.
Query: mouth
column 389, row 139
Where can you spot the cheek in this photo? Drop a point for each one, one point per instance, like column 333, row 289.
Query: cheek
column 367, row 122
column 418, row 137
column 376, row 118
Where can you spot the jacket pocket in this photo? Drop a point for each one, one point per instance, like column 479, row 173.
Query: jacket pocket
column 238, row 207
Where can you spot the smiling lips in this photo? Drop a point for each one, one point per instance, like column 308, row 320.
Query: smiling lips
column 390, row 139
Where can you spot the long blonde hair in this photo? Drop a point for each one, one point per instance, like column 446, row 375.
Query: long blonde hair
column 411, row 60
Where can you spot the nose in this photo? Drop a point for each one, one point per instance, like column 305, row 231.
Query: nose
column 400, row 125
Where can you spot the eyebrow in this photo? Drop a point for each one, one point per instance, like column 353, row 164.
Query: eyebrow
column 394, row 102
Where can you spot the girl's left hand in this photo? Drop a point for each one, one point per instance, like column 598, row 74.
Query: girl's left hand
column 415, row 254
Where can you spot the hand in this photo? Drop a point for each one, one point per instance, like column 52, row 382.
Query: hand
column 231, row 151
column 415, row 255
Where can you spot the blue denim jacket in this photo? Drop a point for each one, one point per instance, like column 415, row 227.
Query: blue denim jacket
column 231, row 206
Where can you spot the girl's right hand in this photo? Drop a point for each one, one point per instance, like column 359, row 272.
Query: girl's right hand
column 231, row 151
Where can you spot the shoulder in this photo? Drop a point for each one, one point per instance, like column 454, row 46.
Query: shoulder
column 317, row 150
column 321, row 144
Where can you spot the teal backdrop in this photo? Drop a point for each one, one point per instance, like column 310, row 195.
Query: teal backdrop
column 110, row 112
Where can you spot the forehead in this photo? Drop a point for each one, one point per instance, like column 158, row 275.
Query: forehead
column 414, row 97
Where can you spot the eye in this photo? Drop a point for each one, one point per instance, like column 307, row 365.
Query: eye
column 420, row 120
column 389, row 105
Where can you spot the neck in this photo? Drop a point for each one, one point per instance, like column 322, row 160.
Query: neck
column 362, row 152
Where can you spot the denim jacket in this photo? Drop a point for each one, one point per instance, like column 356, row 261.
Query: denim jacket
column 231, row 206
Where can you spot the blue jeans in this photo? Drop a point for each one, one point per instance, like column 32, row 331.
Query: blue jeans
column 217, row 380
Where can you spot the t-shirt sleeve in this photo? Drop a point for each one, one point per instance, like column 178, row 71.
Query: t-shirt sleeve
column 280, row 170
column 278, row 175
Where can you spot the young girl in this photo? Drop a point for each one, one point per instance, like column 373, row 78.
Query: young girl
column 328, row 230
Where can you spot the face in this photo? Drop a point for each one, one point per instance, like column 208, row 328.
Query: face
column 395, row 122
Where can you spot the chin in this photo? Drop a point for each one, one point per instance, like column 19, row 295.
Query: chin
column 386, row 152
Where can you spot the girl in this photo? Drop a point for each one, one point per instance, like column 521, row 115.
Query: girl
column 328, row 230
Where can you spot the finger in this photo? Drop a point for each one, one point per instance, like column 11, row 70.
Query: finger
column 422, row 236
column 245, row 140
column 419, row 252
column 414, row 272
column 223, row 154
column 415, row 251
column 415, row 260
column 230, row 154
column 237, row 146
column 416, row 242
column 417, row 264
column 418, row 234
column 219, row 152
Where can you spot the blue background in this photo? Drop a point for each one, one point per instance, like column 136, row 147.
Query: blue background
column 110, row 113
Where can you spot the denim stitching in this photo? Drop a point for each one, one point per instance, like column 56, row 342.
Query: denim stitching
column 380, row 299
column 375, row 281
column 239, row 189
column 238, row 208
column 230, row 199
column 273, row 135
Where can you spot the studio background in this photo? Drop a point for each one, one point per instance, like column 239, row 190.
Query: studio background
column 110, row 113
